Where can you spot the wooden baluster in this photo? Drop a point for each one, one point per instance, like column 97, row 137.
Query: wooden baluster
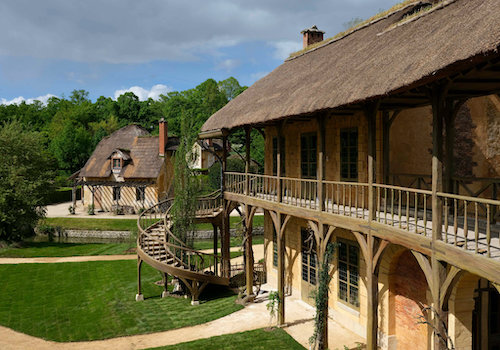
column 488, row 230
column 356, row 189
column 338, row 199
column 425, row 214
column 363, row 201
column 455, row 220
column 378, row 205
column 445, row 212
column 399, row 206
column 343, row 199
column 407, row 210
column 392, row 206
column 476, row 227
column 416, row 212
column 385, row 205
column 466, row 227
column 350, row 204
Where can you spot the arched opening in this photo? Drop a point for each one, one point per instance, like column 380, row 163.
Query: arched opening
column 408, row 292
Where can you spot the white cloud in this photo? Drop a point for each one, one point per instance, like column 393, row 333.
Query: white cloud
column 283, row 49
column 20, row 99
column 144, row 94
column 128, row 31
column 228, row 65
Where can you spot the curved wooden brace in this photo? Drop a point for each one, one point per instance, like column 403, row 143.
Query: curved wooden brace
column 452, row 277
column 426, row 267
column 280, row 229
column 367, row 249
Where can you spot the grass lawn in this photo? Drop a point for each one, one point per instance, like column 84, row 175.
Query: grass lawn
column 55, row 249
column 259, row 339
column 95, row 300
column 125, row 224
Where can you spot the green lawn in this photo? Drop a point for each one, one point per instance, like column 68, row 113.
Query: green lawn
column 55, row 249
column 124, row 224
column 259, row 339
column 95, row 300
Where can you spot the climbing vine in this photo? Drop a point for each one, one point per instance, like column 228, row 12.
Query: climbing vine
column 320, row 295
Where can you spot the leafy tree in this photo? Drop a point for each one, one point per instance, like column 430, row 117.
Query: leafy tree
column 26, row 173
column 128, row 106
column 186, row 185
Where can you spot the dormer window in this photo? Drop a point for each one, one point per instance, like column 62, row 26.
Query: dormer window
column 117, row 165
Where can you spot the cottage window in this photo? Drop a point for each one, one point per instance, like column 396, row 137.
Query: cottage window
column 275, row 248
column 309, row 257
column 308, row 155
column 116, row 193
column 117, row 163
column 140, row 193
column 348, row 267
column 349, row 154
column 275, row 156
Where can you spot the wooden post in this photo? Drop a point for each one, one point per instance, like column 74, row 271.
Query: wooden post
column 92, row 191
column 371, row 116
column 386, row 141
column 139, row 296
column 225, row 237
column 249, row 213
column 278, row 162
column 438, row 100
column 281, row 273
column 321, row 162
column 247, row 160
column 372, row 253
column 73, row 198
column 215, row 238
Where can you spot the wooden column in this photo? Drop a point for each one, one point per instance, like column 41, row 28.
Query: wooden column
column 278, row 162
column 387, row 120
column 139, row 296
column 321, row 162
column 225, row 237
column 92, row 191
column 372, row 249
column 438, row 101
column 73, row 198
column 249, row 214
column 371, row 116
column 247, row 160
column 216, row 239
column 280, row 221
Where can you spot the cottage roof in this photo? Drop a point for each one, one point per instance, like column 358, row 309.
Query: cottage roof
column 136, row 145
column 391, row 56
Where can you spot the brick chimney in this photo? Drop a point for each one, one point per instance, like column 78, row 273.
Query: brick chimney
column 311, row 36
column 163, row 137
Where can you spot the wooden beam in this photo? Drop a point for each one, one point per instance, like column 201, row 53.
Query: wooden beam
column 371, row 116
column 249, row 214
column 321, row 162
column 225, row 234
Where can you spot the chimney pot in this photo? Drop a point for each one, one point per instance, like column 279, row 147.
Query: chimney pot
column 311, row 36
column 163, row 125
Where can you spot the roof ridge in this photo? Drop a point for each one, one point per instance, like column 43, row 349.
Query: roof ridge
column 352, row 31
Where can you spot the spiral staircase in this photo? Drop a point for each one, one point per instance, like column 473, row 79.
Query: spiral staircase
column 160, row 248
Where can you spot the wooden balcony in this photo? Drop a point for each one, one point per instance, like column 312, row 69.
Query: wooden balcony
column 470, row 227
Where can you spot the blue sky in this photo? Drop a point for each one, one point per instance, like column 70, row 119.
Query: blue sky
column 150, row 47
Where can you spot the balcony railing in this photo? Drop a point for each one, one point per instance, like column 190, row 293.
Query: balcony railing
column 470, row 223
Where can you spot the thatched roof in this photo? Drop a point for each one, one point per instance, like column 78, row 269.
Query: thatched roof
column 139, row 150
column 388, row 56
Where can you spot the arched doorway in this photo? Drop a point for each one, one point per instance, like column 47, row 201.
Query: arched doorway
column 408, row 292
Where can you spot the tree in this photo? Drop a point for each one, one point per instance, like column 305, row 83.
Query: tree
column 26, row 174
column 186, row 185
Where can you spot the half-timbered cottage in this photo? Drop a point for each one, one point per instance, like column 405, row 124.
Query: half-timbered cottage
column 386, row 141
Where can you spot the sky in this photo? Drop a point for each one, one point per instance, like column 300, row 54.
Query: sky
column 150, row 47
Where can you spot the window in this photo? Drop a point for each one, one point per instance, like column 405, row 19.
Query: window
column 308, row 155
column 140, row 193
column 275, row 156
column 275, row 248
column 348, row 267
column 309, row 257
column 116, row 193
column 117, row 163
column 349, row 154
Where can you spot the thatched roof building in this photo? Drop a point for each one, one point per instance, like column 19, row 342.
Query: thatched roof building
column 139, row 149
column 390, row 59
